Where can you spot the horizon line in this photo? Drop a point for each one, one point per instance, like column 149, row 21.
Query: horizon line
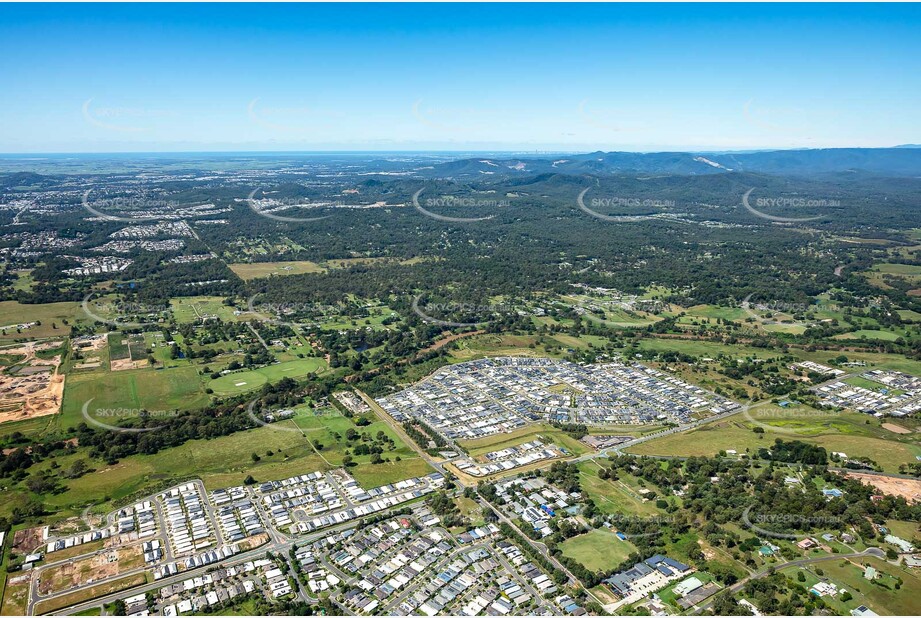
column 517, row 151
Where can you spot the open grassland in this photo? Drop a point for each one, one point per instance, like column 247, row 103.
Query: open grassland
column 598, row 550
column 179, row 388
column 733, row 314
column 374, row 475
column 880, row 595
column 256, row 270
column 188, row 310
column 841, row 432
column 50, row 315
column 226, row 461
column 15, row 596
column 704, row 349
column 882, row 335
column 245, row 381
column 487, row 345
column 269, row 269
column 614, row 496
column 31, row 428
column 287, row 448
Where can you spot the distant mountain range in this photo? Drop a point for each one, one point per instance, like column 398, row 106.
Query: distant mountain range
column 898, row 161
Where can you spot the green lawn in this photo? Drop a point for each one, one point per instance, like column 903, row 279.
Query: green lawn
column 528, row 433
column 883, row 335
column 844, row 432
column 168, row 389
column 50, row 315
column 614, row 497
column 245, row 381
column 191, row 309
column 598, row 550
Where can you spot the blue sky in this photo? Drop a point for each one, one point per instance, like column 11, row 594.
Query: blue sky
column 111, row 78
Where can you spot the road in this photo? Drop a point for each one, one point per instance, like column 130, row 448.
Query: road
column 275, row 546
column 381, row 414
column 280, row 543
column 874, row 552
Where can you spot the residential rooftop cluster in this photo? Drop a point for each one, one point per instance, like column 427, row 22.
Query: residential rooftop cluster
column 488, row 396
column 408, row 566
column 308, row 502
column 536, row 502
column 197, row 594
column 818, row 368
column 510, row 458
column 899, row 394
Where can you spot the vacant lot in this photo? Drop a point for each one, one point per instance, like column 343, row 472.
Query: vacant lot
column 841, row 432
column 269, row 269
column 500, row 441
column 51, row 605
column 910, row 489
column 148, row 389
column 51, row 316
column 599, row 550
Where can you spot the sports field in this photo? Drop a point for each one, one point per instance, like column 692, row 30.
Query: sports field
column 598, row 550
column 245, row 381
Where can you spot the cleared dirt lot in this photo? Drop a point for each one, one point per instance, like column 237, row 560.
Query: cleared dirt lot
column 90, row 569
column 910, row 489
column 895, row 428
column 31, row 388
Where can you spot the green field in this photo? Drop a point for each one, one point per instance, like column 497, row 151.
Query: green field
column 598, row 550
column 881, row 595
column 245, row 381
column 192, row 309
column 614, row 497
column 256, row 270
column 227, row 460
column 882, row 335
column 499, row 441
column 49, row 314
column 169, row 389
column 842, row 432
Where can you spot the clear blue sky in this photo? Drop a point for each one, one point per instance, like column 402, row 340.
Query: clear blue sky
column 105, row 78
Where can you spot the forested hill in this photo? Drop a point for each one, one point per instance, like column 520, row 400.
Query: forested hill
column 902, row 161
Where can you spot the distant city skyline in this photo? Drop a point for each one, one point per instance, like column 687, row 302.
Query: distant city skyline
column 446, row 77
